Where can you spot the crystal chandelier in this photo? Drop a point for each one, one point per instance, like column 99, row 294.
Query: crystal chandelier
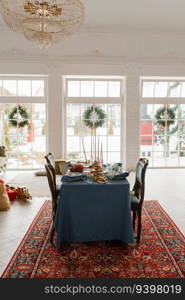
column 43, row 22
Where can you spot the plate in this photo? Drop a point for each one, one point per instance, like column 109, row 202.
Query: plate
column 73, row 174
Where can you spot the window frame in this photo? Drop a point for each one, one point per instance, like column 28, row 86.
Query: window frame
column 28, row 99
column 160, row 101
column 96, row 101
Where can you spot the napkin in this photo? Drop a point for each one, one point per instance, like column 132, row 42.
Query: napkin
column 67, row 178
column 121, row 175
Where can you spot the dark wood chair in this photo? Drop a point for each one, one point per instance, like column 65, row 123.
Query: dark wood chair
column 137, row 195
column 51, row 162
column 54, row 195
column 50, row 159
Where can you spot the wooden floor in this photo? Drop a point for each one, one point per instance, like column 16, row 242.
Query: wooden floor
column 165, row 185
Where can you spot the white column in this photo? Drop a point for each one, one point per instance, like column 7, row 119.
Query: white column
column 54, row 114
column 132, row 121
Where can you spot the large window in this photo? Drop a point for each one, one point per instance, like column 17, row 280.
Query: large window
column 23, row 121
column 162, row 122
column 81, row 96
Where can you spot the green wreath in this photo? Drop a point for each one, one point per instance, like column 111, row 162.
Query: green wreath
column 161, row 116
column 94, row 117
column 13, row 120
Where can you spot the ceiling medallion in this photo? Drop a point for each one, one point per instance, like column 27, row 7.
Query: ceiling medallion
column 43, row 22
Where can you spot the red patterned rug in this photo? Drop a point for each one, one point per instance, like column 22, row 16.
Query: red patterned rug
column 160, row 254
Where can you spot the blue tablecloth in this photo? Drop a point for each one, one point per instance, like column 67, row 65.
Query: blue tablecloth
column 91, row 212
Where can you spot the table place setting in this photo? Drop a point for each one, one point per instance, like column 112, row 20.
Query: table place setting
column 95, row 173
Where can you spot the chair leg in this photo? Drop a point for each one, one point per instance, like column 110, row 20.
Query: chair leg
column 134, row 219
column 52, row 234
column 139, row 227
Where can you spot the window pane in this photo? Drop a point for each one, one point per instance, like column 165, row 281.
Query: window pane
column 159, row 159
column 9, row 87
column 112, row 157
column 182, row 159
column 161, row 89
column 146, row 127
column 182, row 111
column 171, row 127
column 1, row 88
column 87, row 88
column 114, row 89
column 26, row 141
column 159, row 111
column 73, row 88
column 146, row 111
column 107, row 135
column 174, row 89
column 113, row 143
column 12, row 160
column 171, row 159
column 182, row 127
column 148, row 89
column 159, row 143
column 101, row 88
column 183, row 90
column 38, row 111
column 38, row 88
column 24, row 88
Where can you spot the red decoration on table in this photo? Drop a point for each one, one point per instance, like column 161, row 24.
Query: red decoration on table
column 12, row 194
column 77, row 168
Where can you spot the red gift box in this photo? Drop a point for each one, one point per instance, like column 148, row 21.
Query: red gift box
column 12, row 194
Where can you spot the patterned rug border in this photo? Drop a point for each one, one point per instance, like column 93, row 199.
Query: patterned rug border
column 14, row 256
column 160, row 236
column 167, row 215
column 38, row 214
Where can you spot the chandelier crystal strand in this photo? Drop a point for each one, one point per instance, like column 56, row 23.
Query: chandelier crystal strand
column 43, row 22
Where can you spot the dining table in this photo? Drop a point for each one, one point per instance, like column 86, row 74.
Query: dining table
column 89, row 211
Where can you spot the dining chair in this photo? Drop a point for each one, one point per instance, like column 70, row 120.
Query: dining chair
column 137, row 195
column 50, row 159
column 54, row 195
column 51, row 162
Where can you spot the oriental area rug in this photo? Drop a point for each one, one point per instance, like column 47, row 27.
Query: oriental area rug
column 160, row 254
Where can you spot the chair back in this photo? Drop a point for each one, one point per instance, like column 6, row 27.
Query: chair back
column 49, row 159
column 139, row 186
column 52, row 186
column 51, row 162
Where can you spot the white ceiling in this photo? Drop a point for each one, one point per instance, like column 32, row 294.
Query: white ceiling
column 112, row 28
column 163, row 15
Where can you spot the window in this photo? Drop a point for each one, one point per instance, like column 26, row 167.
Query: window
column 162, row 123
column 81, row 96
column 163, row 89
column 93, row 88
column 23, row 121
column 22, row 87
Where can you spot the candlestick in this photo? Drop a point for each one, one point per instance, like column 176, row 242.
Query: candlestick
column 98, row 147
column 95, row 144
column 84, row 150
column 101, row 155
column 91, row 145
